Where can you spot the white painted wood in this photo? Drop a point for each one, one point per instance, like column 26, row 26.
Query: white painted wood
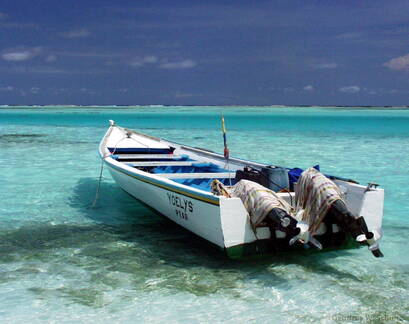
column 124, row 138
column 146, row 156
column 161, row 163
column 235, row 222
column 372, row 209
column 205, row 175
column 197, row 216
column 366, row 203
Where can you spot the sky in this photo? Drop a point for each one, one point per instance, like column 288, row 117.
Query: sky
column 213, row 52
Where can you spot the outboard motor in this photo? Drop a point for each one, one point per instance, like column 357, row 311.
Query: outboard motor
column 320, row 198
column 283, row 222
column 264, row 205
column 295, row 230
column 356, row 226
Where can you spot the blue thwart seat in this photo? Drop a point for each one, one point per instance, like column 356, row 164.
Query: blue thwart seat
column 194, row 168
column 204, row 184
column 199, row 167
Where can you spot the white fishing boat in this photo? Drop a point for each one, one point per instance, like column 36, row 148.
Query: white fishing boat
column 176, row 181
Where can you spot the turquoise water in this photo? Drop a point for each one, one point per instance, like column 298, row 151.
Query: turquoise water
column 62, row 261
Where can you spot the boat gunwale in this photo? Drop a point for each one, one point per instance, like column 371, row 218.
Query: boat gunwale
column 168, row 184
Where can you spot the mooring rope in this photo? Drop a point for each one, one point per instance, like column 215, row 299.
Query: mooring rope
column 128, row 134
column 102, row 169
column 99, row 183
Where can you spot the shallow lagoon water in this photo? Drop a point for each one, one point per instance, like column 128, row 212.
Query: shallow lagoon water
column 62, row 261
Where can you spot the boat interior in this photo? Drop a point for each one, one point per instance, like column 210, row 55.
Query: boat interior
column 198, row 171
column 195, row 167
column 181, row 168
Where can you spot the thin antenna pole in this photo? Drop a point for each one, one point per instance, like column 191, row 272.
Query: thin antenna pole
column 226, row 149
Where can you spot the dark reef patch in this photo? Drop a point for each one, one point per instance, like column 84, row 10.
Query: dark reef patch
column 21, row 138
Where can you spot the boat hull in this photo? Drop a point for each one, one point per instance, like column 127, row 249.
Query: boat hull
column 207, row 220
column 197, row 215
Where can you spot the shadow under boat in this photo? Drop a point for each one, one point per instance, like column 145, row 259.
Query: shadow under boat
column 126, row 237
column 131, row 221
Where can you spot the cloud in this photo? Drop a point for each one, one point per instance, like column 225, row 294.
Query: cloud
column 34, row 90
column 179, row 95
column 185, row 64
column 58, row 91
column 87, row 91
column 51, row 70
column 6, row 89
column 89, row 54
column 326, row 66
column 152, row 60
column 400, row 63
column 353, row 35
column 285, row 89
column 350, row 89
column 142, row 61
column 309, row 88
column 51, row 58
column 17, row 56
column 21, row 55
column 7, row 24
column 76, row 33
